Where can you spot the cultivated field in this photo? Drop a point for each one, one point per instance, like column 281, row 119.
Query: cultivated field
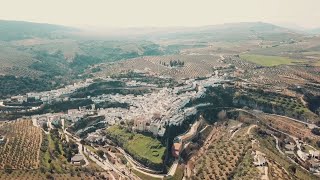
column 267, row 60
column 288, row 126
column 194, row 66
column 22, row 147
column 14, row 62
column 222, row 157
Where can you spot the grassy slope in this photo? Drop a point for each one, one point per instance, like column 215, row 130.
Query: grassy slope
column 267, row 60
column 138, row 144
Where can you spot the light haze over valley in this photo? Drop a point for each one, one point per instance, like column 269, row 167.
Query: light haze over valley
column 150, row 90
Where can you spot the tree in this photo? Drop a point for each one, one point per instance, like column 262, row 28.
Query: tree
column 8, row 169
column 45, row 126
column 100, row 153
column 316, row 131
column 292, row 168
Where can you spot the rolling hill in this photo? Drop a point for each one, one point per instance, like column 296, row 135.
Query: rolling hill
column 17, row 30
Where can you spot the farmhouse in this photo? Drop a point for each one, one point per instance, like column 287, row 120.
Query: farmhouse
column 314, row 154
column 77, row 159
column 290, row 147
column 302, row 155
column 259, row 160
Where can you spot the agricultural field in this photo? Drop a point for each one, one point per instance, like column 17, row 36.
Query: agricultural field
column 222, row 157
column 75, row 174
column 21, row 149
column 28, row 153
column 246, row 169
column 288, row 126
column 14, row 62
column 194, row 66
column 268, row 60
column 142, row 148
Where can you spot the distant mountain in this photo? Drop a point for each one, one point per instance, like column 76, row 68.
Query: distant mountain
column 17, row 30
column 236, row 32
column 314, row 31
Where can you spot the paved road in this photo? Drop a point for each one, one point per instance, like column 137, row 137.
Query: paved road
column 135, row 167
column 173, row 168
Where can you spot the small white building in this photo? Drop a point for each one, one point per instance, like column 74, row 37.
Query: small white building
column 302, row 155
column 77, row 159
column 259, row 160
column 314, row 154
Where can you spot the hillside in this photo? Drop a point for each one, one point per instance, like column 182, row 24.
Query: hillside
column 45, row 51
column 235, row 32
column 17, row 30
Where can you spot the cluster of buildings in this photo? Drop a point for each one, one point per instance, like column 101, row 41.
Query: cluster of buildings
column 57, row 94
column 33, row 100
column 310, row 156
column 151, row 112
column 72, row 115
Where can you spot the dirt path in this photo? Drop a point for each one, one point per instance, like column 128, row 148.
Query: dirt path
column 249, row 129
column 277, row 144
column 234, row 133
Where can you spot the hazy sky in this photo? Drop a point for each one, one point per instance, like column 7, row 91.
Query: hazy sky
column 124, row 13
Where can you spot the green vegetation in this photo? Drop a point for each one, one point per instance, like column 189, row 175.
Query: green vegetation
column 106, row 87
column 145, row 149
column 17, row 30
column 174, row 63
column 274, row 103
column 178, row 174
column 161, row 82
column 246, row 169
column 81, row 62
column 87, row 125
column 267, row 60
column 56, row 154
column 50, row 64
column 65, row 105
column 11, row 85
column 109, row 104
